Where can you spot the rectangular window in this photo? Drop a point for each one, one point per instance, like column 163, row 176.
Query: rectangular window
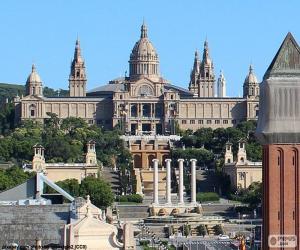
column 200, row 121
column 192, row 121
column 91, row 122
column 225, row 121
column 183, row 121
column 208, row 121
column 217, row 121
column 32, row 112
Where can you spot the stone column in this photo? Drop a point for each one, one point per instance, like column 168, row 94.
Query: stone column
column 180, row 162
column 193, row 181
column 168, row 181
column 155, row 181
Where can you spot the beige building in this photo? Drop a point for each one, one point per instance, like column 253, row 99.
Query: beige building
column 144, row 102
column 62, row 171
column 242, row 172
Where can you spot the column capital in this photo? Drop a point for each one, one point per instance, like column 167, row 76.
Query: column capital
column 180, row 160
column 193, row 160
column 155, row 160
column 168, row 160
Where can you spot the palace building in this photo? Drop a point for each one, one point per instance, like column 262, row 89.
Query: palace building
column 144, row 102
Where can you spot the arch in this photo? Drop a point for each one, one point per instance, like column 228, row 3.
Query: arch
column 145, row 90
column 279, row 157
column 32, row 110
column 242, row 159
column 137, row 161
column 150, row 158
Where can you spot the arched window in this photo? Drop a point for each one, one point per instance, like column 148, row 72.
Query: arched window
column 32, row 110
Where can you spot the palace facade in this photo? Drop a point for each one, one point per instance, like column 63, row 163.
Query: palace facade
column 144, row 102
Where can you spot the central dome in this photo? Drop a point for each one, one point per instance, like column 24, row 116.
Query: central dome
column 143, row 58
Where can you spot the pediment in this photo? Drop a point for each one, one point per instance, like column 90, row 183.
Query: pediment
column 287, row 60
column 32, row 98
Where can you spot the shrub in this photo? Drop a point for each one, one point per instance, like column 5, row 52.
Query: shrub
column 130, row 198
column 208, row 196
column 218, row 229
column 202, row 230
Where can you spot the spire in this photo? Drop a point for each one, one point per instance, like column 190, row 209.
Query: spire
column 33, row 69
column 77, row 53
column 196, row 67
column 250, row 69
column 144, row 30
column 206, row 57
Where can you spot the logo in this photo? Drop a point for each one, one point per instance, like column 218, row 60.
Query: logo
column 282, row 241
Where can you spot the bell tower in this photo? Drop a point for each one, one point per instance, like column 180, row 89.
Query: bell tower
column 38, row 161
column 228, row 153
column 206, row 82
column 77, row 78
column 91, row 158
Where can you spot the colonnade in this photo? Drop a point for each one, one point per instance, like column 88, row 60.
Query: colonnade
column 168, row 181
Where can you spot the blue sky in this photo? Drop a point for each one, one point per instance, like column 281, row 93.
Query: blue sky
column 239, row 33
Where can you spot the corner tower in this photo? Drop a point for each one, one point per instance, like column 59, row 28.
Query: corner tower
column 143, row 59
column 77, row 78
column 278, row 130
column 34, row 84
column 251, row 86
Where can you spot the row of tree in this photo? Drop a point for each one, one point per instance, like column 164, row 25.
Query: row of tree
column 64, row 141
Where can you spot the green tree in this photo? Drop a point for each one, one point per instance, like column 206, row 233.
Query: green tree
column 202, row 230
column 99, row 190
column 71, row 186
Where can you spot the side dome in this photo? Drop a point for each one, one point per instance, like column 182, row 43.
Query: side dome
column 34, row 84
column 34, row 76
column 144, row 60
column 251, row 77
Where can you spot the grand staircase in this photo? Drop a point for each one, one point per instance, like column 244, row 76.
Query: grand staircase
column 132, row 212
column 112, row 177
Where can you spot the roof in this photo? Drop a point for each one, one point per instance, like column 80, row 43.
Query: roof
column 287, row 59
column 111, row 87
column 24, row 224
column 279, row 116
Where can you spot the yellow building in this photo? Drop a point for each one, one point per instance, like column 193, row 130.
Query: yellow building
column 62, row 171
column 242, row 172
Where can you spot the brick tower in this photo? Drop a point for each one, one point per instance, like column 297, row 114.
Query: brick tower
column 278, row 131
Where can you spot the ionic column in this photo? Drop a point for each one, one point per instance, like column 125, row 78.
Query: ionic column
column 168, row 181
column 193, row 180
column 155, row 181
column 180, row 162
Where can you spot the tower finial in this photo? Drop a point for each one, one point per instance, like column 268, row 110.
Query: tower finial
column 250, row 68
column 144, row 30
column 33, row 68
